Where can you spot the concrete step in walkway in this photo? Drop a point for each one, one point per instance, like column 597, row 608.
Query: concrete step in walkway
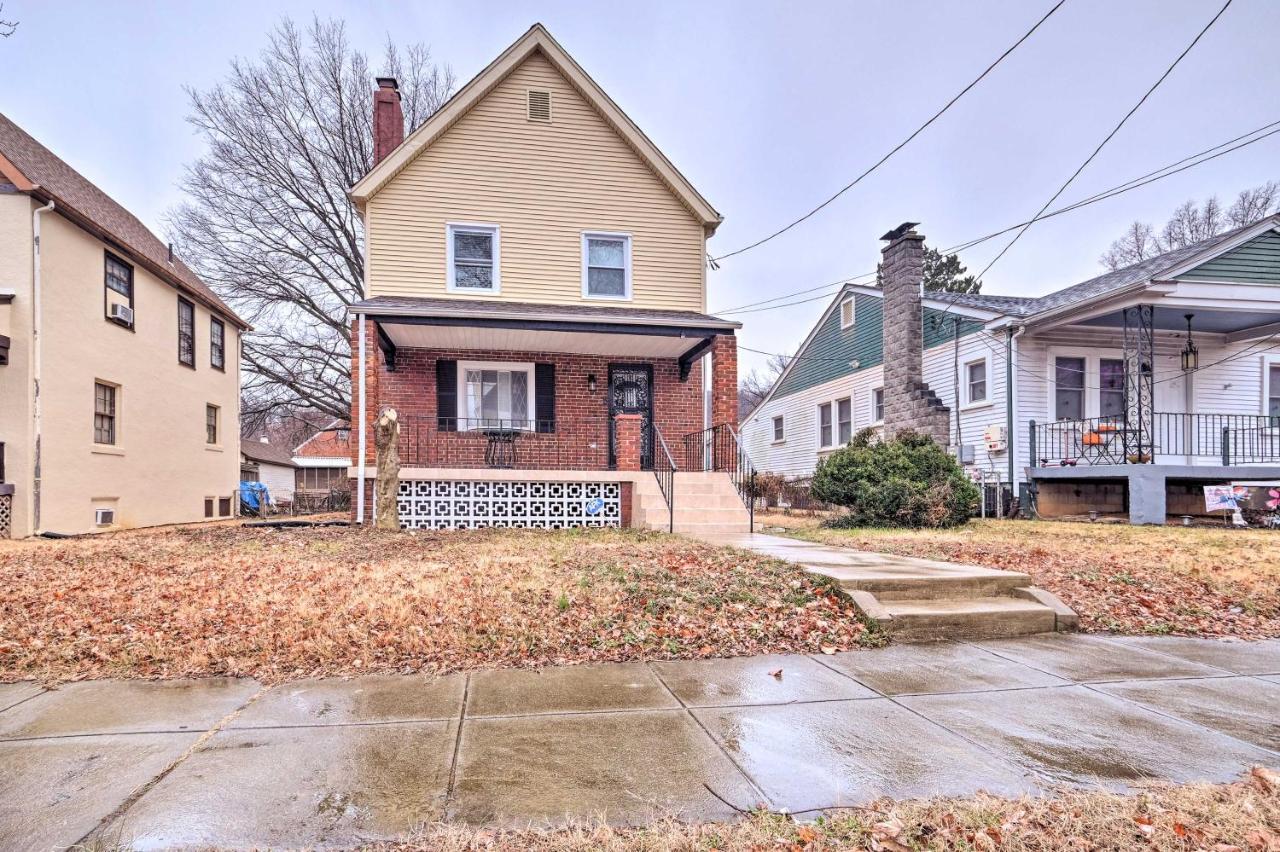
column 920, row 600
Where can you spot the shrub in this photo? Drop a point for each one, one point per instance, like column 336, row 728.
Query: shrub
column 909, row 481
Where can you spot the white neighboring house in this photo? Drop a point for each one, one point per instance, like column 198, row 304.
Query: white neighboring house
column 1055, row 394
column 270, row 464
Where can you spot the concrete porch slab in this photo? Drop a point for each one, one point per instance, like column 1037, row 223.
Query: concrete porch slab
column 1246, row 708
column 624, row 767
column 1076, row 736
column 749, row 680
column 818, row 756
column 296, row 787
column 1251, row 658
column 578, row 689
column 1094, row 658
column 16, row 693
column 118, row 707
column 372, row 698
column 53, row 792
column 938, row 667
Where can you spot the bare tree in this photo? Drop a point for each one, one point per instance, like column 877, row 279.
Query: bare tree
column 756, row 385
column 268, row 223
column 1252, row 204
column 1138, row 243
column 1192, row 223
column 7, row 28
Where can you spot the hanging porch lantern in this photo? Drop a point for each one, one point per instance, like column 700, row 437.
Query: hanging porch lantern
column 1190, row 354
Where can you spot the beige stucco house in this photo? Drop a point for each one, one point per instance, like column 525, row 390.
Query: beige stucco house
column 119, row 367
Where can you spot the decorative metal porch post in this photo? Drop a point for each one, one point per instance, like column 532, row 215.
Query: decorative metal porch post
column 1139, row 385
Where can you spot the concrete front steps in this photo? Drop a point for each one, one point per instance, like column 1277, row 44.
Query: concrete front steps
column 706, row 503
column 929, row 601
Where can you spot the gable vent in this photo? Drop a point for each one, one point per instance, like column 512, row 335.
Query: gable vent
column 539, row 105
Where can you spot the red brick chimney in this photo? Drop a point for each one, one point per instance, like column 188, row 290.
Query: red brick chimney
column 388, row 118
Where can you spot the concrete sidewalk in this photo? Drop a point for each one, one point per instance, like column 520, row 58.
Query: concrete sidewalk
column 338, row 762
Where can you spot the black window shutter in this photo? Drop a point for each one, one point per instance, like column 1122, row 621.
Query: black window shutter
column 446, row 395
column 544, row 396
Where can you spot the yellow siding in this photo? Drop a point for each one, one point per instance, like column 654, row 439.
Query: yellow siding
column 543, row 184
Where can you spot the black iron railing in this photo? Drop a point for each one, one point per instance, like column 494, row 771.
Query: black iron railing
column 664, row 468
column 720, row 449
column 1230, row 438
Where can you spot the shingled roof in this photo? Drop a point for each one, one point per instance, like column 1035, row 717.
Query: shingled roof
column 34, row 169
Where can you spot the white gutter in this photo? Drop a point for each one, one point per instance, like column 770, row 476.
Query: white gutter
column 36, row 361
column 362, row 438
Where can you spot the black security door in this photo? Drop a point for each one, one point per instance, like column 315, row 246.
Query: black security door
column 631, row 392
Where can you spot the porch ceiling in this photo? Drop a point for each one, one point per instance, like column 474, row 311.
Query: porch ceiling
column 1205, row 320
column 630, row 345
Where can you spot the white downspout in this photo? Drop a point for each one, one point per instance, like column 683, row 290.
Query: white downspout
column 36, row 362
column 360, row 406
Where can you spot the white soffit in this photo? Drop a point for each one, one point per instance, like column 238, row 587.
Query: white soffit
column 529, row 340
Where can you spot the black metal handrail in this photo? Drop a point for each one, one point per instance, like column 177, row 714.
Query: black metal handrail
column 664, row 468
column 720, row 449
column 1231, row 438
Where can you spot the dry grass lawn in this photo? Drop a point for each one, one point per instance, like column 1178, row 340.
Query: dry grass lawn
column 280, row 604
column 1203, row 581
column 1223, row 818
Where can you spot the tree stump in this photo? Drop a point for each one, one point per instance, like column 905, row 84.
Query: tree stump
column 386, row 483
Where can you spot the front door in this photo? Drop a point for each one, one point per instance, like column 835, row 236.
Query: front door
column 631, row 392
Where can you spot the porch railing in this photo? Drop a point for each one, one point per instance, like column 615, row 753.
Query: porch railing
column 664, row 468
column 1230, row 439
column 720, row 449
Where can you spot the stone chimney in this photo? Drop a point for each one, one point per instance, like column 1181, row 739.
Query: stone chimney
column 909, row 404
column 388, row 118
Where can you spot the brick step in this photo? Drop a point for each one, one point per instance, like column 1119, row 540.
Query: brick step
column 967, row 618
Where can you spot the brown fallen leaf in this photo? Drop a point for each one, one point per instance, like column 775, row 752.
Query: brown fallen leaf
column 776, row 673
column 1264, row 779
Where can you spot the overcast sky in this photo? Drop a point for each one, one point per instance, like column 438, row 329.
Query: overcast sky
column 767, row 107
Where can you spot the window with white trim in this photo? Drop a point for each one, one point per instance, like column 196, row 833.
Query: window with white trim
column 779, row 435
column 1111, row 381
column 1271, row 377
column 474, row 258
column 606, row 265
column 844, row 420
column 877, row 405
column 495, row 396
column 824, row 425
column 847, row 312
column 1068, row 388
column 975, row 382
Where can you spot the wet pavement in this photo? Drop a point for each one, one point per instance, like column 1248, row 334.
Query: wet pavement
column 340, row 762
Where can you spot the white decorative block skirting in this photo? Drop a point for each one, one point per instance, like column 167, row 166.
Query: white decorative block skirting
column 6, row 515
column 469, row 504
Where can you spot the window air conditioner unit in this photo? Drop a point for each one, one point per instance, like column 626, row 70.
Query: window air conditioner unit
column 121, row 313
column 104, row 517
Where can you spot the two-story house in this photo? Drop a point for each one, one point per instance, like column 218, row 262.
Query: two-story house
column 119, row 368
column 535, row 296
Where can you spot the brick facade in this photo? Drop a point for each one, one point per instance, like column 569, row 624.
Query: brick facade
column 581, row 437
column 909, row 404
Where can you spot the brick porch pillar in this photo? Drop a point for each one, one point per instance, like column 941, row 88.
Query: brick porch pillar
column 627, row 429
column 724, row 380
column 373, row 364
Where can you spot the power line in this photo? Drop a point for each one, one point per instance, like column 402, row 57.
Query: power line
column 901, row 144
column 1169, row 170
column 1108, row 137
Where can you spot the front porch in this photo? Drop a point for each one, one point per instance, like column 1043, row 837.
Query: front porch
column 542, row 415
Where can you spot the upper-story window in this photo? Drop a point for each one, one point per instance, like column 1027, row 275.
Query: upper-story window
column 975, row 382
column 606, row 265
column 118, row 295
column 217, row 344
column 474, row 258
column 186, row 333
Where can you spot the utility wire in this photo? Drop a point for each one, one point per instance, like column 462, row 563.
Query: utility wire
column 1170, row 170
column 901, row 144
column 1108, row 137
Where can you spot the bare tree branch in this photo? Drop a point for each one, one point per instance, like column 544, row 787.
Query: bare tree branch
column 267, row 222
column 7, row 28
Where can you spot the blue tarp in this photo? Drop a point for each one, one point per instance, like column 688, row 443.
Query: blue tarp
column 254, row 496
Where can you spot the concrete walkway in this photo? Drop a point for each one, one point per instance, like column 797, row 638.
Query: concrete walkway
column 926, row 600
column 335, row 762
